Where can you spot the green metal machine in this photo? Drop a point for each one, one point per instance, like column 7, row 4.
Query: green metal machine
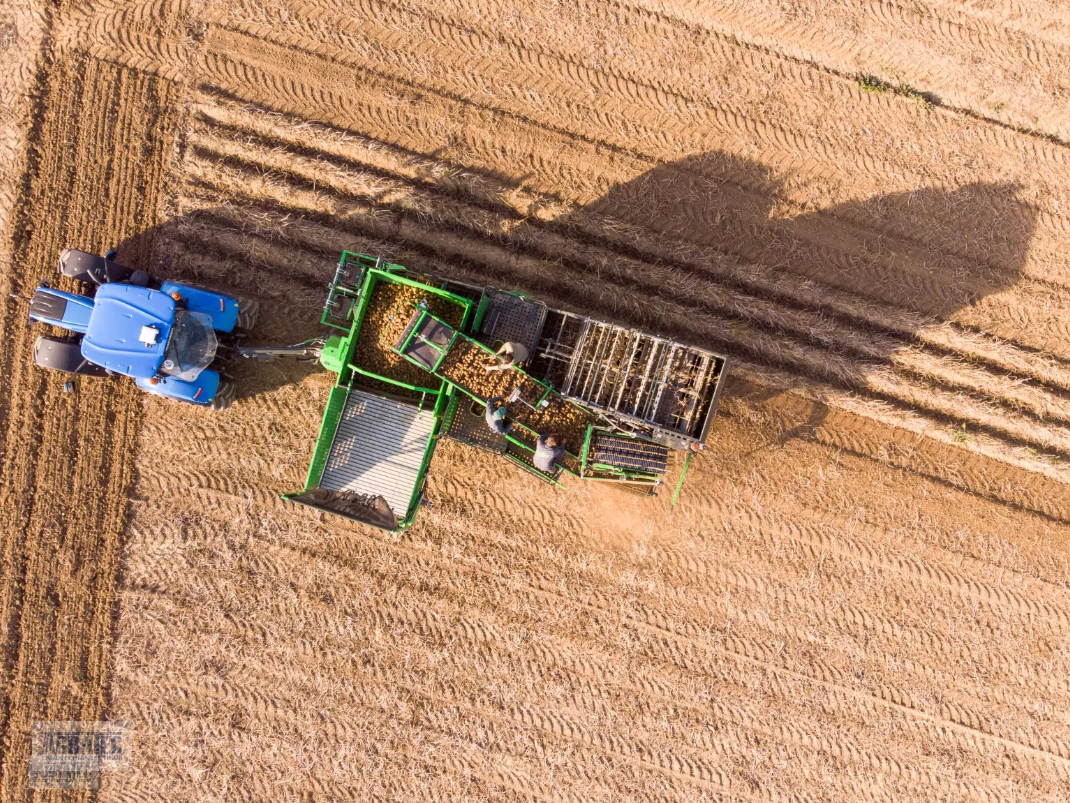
column 410, row 353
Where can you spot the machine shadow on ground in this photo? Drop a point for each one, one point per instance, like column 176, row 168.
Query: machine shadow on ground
column 931, row 252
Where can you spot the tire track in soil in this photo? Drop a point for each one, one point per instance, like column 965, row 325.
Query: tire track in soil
column 493, row 726
column 462, row 37
column 395, row 753
column 62, row 550
column 447, row 631
column 447, row 634
column 964, row 711
column 732, row 49
column 685, row 570
column 738, row 124
column 1018, row 607
column 151, row 36
column 270, row 707
column 487, row 501
column 828, row 675
column 396, row 25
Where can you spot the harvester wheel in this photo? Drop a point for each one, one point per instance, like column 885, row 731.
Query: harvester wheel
column 224, row 395
column 248, row 311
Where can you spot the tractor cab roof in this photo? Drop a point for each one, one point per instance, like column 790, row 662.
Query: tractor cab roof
column 128, row 330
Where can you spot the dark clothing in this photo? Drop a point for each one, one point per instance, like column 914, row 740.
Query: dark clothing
column 501, row 426
column 545, row 455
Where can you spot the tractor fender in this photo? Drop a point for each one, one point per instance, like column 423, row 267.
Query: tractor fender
column 58, row 354
column 222, row 309
column 200, row 391
column 93, row 269
column 65, row 310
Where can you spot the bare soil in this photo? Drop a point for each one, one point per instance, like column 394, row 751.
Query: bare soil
column 863, row 593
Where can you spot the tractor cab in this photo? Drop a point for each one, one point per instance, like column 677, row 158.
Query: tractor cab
column 191, row 347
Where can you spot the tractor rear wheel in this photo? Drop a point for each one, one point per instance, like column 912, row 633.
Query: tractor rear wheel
column 59, row 354
column 224, row 395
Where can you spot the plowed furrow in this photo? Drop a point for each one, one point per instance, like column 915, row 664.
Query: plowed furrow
column 752, row 650
column 1020, row 457
column 64, row 559
column 801, row 145
column 736, row 575
column 890, row 276
column 602, row 691
column 399, row 620
column 983, row 477
column 353, row 179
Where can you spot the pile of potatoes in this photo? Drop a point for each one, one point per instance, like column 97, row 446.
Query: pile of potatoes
column 389, row 311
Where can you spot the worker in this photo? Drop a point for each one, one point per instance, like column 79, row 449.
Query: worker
column 548, row 448
column 510, row 355
column 496, row 416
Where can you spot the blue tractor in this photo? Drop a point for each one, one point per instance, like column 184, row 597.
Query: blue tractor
column 163, row 334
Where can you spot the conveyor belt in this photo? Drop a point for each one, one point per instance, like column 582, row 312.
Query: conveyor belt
column 613, row 450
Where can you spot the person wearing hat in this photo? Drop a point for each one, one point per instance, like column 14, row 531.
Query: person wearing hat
column 510, row 355
column 496, row 416
column 548, row 448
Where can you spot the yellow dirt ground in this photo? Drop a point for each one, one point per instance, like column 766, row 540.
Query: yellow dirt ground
column 863, row 594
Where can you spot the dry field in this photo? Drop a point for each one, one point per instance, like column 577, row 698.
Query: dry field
column 864, row 594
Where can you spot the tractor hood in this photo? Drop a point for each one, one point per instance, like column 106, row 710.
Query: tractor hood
column 128, row 330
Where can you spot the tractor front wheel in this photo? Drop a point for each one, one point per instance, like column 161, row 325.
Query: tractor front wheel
column 248, row 312
column 224, row 395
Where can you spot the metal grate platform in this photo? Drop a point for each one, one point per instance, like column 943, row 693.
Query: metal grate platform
column 378, row 449
column 512, row 318
column 468, row 424
column 628, row 453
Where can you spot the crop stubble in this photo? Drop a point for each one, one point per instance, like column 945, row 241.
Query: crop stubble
column 833, row 593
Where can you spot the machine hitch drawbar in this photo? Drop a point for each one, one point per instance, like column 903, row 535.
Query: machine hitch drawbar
column 309, row 351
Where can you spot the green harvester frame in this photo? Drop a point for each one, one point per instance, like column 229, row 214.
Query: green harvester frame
column 351, row 293
column 362, row 273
